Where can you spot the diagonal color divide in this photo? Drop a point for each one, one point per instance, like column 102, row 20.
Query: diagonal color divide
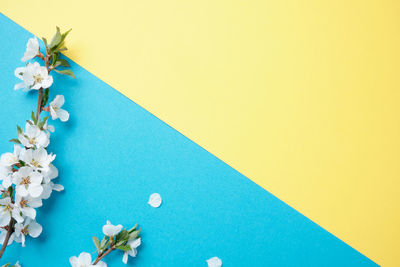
column 300, row 96
column 112, row 154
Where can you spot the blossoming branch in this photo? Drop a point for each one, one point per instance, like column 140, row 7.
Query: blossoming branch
column 27, row 173
column 115, row 238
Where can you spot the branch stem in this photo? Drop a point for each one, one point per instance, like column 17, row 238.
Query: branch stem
column 102, row 255
column 10, row 230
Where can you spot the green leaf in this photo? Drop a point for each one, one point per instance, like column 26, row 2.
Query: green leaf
column 15, row 140
column 6, row 265
column 66, row 72
column 54, row 58
column 124, row 248
column 123, row 234
column 45, row 42
column 22, row 163
column 96, row 242
column 63, row 63
column 64, row 35
column 19, row 130
column 132, row 229
column 56, row 39
column 45, row 97
column 134, row 235
column 41, row 124
column 33, row 118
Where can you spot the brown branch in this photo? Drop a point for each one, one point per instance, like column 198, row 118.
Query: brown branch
column 10, row 230
column 102, row 255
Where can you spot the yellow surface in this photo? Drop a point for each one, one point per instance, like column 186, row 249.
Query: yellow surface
column 300, row 96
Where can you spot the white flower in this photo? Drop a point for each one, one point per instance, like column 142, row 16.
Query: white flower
column 48, row 128
column 6, row 176
column 17, row 264
column 85, row 260
column 27, row 204
column 55, row 109
column 111, row 230
column 9, row 159
column 133, row 244
column 48, row 189
column 34, row 137
column 214, row 262
column 29, row 227
column 48, row 185
column 28, row 182
column 155, row 200
column 7, row 209
column 37, row 159
column 32, row 49
column 33, row 76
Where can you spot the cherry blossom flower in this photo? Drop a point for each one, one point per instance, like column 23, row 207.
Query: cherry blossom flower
column 111, row 230
column 34, row 137
column 29, row 227
column 9, row 159
column 28, row 182
column 56, row 111
column 37, row 159
column 27, row 205
column 84, row 260
column 7, row 210
column 133, row 252
column 33, row 76
column 32, row 49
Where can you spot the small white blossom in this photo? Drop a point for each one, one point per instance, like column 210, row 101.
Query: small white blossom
column 29, row 227
column 85, row 260
column 9, row 159
column 214, row 262
column 33, row 76
column 27, row 204
column 37, row 159
column 33, row 137
column 56, row 111
column 28, row 182
column 6, row 176
column 133, row 244
column 48, row 185
column 155, row 200
column 48, row 128
column 111, row 230
column 32, row 49
column 7, row 210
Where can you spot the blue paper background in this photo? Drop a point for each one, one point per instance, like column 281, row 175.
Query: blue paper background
column 112, row 154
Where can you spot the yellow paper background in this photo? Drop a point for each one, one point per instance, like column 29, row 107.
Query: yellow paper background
column 300, row 96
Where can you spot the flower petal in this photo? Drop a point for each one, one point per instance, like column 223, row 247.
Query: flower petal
column 35, row 229
column 63, row 115
column 35, row 190
column 85, row 259
column 214, row 262
column 155, row 200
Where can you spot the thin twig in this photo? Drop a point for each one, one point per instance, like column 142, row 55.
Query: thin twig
column 10, row 230
column 102, row 255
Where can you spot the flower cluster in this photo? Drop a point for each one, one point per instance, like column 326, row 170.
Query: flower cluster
column 115, row 238
column 27, row 173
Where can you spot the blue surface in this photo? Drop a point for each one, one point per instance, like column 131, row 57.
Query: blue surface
column 112, row 154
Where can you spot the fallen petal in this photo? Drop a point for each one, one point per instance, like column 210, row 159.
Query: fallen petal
column 214, row 262
column 155, row 200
